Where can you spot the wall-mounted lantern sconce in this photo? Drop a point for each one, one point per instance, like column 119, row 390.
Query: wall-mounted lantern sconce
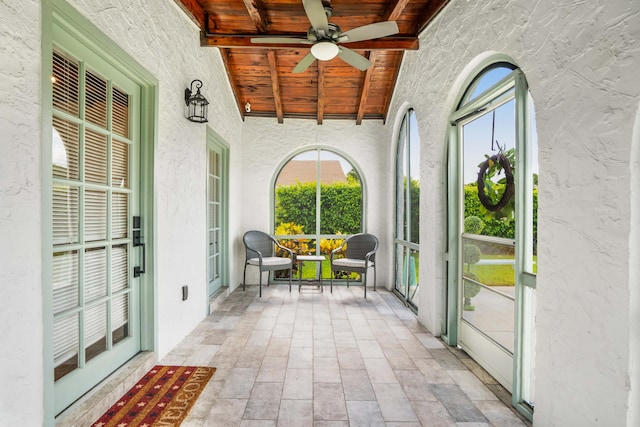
column 196, row 103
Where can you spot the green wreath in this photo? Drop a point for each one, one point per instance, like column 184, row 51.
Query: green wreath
column 509, row 188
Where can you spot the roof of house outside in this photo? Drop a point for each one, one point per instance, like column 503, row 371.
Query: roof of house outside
column 301, row 171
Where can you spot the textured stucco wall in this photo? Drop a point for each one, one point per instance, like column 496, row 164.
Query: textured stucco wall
column 580, row 60
column 633, row 418
column 267, row 145
column 21, row 367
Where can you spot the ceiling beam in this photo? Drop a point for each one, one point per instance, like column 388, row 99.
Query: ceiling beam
column 366, row 87
column 394, row 10
column 428, row 13
column 273, row 68
column 257, row 14
column 320, row 91
column 234, row 86
column 244, row 41
column 193, row 9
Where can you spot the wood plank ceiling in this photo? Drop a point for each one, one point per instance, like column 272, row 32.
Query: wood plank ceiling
column 261, row 74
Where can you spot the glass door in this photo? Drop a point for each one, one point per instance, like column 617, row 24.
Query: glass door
column 214, row 218
column 95, row 194
column 407, row 239
column 493, row 217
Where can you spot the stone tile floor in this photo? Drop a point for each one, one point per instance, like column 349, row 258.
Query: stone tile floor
column 322, row 359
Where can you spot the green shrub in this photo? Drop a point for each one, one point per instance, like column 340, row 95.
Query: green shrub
column 341, row 206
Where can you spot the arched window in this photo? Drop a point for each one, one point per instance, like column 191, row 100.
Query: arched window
column 407, row 230
column 318, row 197
column 492, row 197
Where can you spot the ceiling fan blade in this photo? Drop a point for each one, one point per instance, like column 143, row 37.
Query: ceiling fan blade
column 317, row 16
column 304, row 64
column 368, row 32
column 283, row 40
column 354, row 59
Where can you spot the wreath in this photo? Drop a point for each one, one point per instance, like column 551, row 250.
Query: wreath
column 508, row 189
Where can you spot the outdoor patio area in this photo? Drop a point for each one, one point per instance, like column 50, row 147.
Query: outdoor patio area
column 333, row 359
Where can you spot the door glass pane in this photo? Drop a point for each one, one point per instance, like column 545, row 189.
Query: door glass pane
column 96, row 100
column 401, row 178
column 489, row 292
column 401, row 269
column 65, row 149
column 95, row 215
column 65, row 281
column 120, row 164
column 413, row 276
column 95, row 273
column 119, row 268
column 531, row 265
column 66, row 342
column 65, row 214
column 414, row 179
column 119, row 215
column 484, row 216
column 120, row 318
column 529, row 353
column 65, row 84
column 95, row 324
column 485, row 81
column 95, row 158
column 120, row 115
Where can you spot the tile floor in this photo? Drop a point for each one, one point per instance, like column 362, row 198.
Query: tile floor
column 322, row 359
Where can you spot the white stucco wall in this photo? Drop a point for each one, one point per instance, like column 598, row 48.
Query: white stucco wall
column 21, row 367
column 582, row 78
column 267, row 145
column 633, row 418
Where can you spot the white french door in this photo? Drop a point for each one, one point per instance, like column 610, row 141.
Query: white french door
column 215, row 213
column 95, row 194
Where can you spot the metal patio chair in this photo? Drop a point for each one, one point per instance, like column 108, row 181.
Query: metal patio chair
column 261, row 252
column 359, row 255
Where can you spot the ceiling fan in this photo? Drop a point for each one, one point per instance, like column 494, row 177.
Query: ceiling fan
column 326, row 38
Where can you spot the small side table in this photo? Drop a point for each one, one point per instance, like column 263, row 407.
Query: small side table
column 315, row 258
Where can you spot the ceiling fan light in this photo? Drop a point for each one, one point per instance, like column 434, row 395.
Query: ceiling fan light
column 325, row 51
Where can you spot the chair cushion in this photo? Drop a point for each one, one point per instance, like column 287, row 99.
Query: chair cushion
column 350, row 262
column 271, row 261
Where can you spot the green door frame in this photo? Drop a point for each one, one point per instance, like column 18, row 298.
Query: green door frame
column 60, row 13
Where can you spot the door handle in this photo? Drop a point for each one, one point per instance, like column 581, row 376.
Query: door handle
column 137, row 271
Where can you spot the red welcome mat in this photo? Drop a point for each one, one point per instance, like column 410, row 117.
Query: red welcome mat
column 163, row 397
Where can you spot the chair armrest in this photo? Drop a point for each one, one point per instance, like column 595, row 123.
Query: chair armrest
column 370, row 254
column 338, row 249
